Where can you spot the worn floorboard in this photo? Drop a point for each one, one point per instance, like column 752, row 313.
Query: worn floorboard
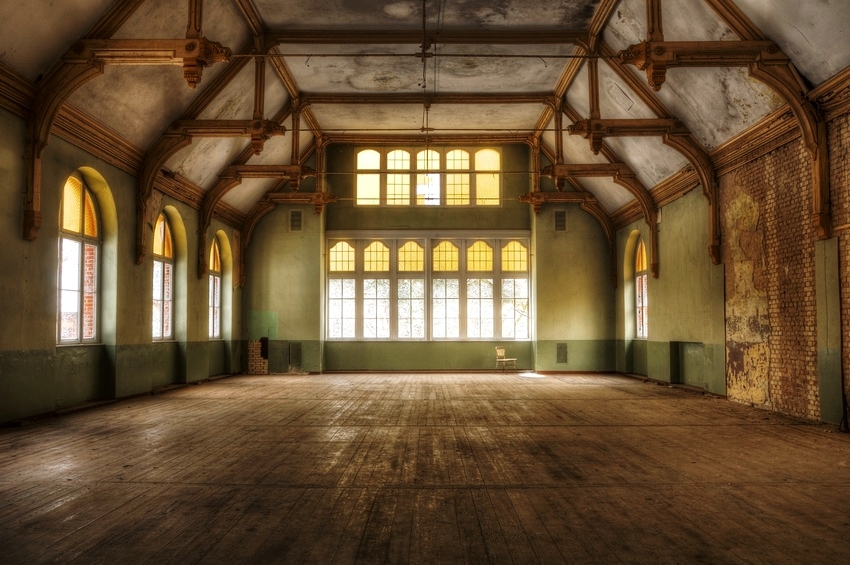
column 424, row 468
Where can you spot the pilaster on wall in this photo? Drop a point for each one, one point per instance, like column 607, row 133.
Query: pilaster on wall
column 839, row 145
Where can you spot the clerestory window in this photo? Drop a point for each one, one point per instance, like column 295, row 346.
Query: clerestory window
column 428, row 177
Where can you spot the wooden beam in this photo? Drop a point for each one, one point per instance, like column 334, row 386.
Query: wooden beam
column 415, row 37
column 315, row 99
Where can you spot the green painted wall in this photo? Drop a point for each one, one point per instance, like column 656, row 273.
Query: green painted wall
column 574, row 297
column 422, row 356
column 285, row 283
column 36, row 375
column 686, row 302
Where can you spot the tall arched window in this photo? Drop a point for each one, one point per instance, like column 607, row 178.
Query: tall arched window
column 641, row 291
column 163, row 280
column 215, row 291
column 79, row 264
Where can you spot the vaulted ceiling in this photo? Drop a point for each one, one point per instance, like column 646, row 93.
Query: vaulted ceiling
column 539, row 71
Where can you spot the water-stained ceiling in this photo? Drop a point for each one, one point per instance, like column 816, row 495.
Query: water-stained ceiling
column 356, row 70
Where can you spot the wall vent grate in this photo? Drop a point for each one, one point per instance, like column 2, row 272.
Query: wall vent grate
column 295, row 220
column 560, row 220
column 561, row 353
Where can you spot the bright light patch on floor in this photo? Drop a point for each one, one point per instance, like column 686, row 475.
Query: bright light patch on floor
column 530, row 375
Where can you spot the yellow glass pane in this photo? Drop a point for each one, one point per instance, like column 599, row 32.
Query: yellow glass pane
column 368, row 159
column 457, row 189
column 159, row 235
column 514, row 257
column 369, row 189
column 398, row 190
column 487, row 189
column 342, row 258
column 446, row 257
column 487, row 160
column 90, row 216
column 428, row 160
column 167, row 244
column 640, row 258
column 215, row 258
column 376, row 257
column 72, row 205
column 457, row 159
column 398, row 160
column 411, row 258
column 479, row 257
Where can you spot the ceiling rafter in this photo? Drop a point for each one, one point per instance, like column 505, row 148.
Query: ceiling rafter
column 317, row 98
column 764, row 61
column 50, row 95
column 415, row 37
column 173, row 139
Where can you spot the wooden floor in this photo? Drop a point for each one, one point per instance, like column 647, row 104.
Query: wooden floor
column 424, row 468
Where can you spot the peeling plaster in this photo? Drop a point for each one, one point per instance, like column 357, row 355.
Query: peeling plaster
column 747, row 317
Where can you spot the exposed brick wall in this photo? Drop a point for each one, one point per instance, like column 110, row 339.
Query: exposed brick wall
column 839, row 160
column 256, row 364
column 768, row 249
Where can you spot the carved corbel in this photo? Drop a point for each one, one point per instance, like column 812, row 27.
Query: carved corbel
column 210, row 52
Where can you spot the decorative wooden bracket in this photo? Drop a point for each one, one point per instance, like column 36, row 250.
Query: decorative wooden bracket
column 192, row 54
column 180, row 135
column 232, row 177
column 766, row 62
column 84, row 61
column 595, row 130
column 675, row 135
column 622, row 175
column 317, row 199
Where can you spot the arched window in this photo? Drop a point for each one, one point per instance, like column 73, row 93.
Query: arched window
column 411, row 291
column 163, row 280
column 215, row 291
column 79, row 265
column 479, row 291
column 368, row 177
column 516, row 298
column 641, row 302
column 342, row 292
column 445, row 291
column 376, row 291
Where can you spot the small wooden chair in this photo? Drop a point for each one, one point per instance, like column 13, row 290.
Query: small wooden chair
column 503, row 362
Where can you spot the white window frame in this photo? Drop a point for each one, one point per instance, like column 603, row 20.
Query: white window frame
column 165, row 289
column 431, row 176
column 77, row 279
column 427, row 240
